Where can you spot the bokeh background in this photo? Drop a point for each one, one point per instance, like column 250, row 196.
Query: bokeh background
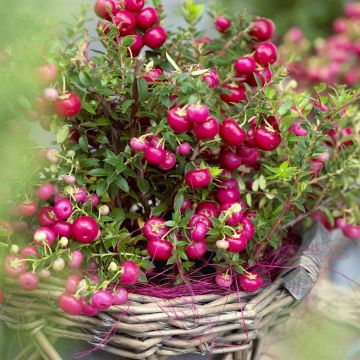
column 26, row 23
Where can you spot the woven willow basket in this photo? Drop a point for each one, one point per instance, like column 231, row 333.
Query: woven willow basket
column 153, row 328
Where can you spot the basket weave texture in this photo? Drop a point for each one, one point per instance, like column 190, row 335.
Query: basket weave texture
column 153, row 328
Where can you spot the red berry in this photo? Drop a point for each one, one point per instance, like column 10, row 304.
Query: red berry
column 154, row 228
column 159, row 249
column 206, row 130
column 14, row 266
column 245, row 66
column 28, row 208
column 211, row 78
column 263, row 75
column 147, row 18
column 79, row 195
column 101, row 299
column 85, row 229
column 251, row 282
column 196, row 250
column 262, row 29
column 234, row 215
column 63, row 209
column 178, row 120
column 297, row 129
column 222, row 23
column 47, row 216
column 232, row 133
column 120, row 296
column 68, row 105
column 105, row 8
column 88, row 309
column 137, row 145
column 197, row 113
column 223, row 280
column 155, row 37
column 44, row 235
column 198, row 232
column 236, row 245
column 169, row 161
column 352, row 231
column 76, row 259
column 155, row 155
column 136, row 45
column 266, row 54
column 134, row 5
column 2, row 297
column 201, row 217
column 266, row 139
column 45, row 191
column 198, row 179
column 29, row 251
column 229, row 160
column 228, row 195
column 340, row 223
column 183, row 149
column 125, row 21
column 248, row 228
column 131, row 273
column 208, row 208
column 237, row 94
column 70, row 304
column 46, row 74
column 93, row 199
column 28, row 281
column 346, row 132
column 72, row 283
column 62, row 229
column 186, row 205
column 153, row 75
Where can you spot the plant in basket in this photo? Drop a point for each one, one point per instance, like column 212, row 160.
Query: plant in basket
column 180, row 162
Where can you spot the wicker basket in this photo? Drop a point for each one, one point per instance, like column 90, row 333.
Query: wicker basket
column 154, row 328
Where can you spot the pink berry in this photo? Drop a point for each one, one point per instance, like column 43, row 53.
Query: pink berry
column 137, row 45
column 208, row 208
column 47, row 216
column 245, row 66
column 62, row 229
column 50, row 94
column 200, row 217
column 222, row 24
column 63, row 209
column 237, row 94
column 69, row 179
column 131, row 273
column 183, row 149
column 88, row 309
column 198, row 179
column 155, row 156
column 159, row 249
column 266, row 54
column 137, row 145
column 76, row 259
column 198, row 232
column 211, row 78
column 155, row 37
column 229, row 160
column 28, row 208
column 154, row 228
column 28, row 281
column 29, row 251
column 44, row 235
column 70, row 304
column 14, row 266
column 223, row 280
column 45, row 192
column 72, row 283
column 169, row 162
column 196, row 250
column 232, row 133
column 352, row 231
column 147, row 18
column 68, row 105
column 266, row 139
column 251, row 282
column 120, row 296
column 262, row 29
column 206, row 130
column 93, row 199
column 85, row 229
column 46, row 74
column 197, row 113
column 134, row 5
column 125, row 21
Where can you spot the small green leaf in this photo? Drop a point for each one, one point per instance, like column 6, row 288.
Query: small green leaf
column 143, row 185
column 284, row 108
column 122, row 184
column 173, row 63
column 178, row 202
column 99, row 172
column 88, row 108
column 83, row 143
column 127, row 41
column 101, row 187
column 62, row 134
